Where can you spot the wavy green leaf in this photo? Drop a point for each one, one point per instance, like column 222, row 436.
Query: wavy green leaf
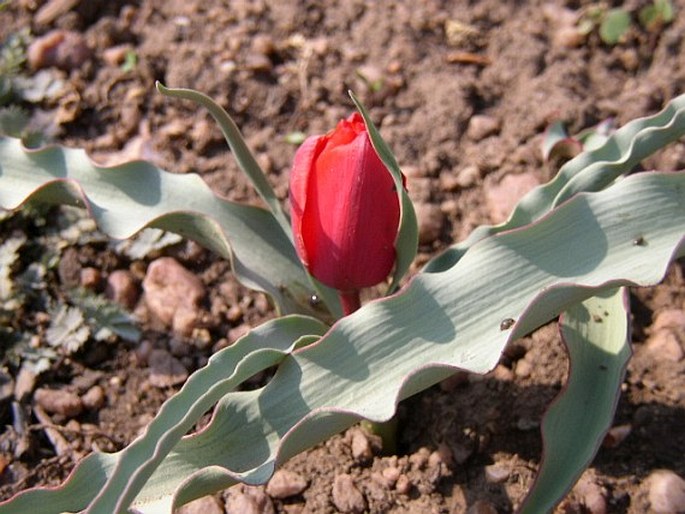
column 248, row 164
column 237, row 144
column 127, row 198
column 596, row 333
column 589, row 171
column 395, row 347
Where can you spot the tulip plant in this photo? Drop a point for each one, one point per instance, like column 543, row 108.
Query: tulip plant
column 569, row 248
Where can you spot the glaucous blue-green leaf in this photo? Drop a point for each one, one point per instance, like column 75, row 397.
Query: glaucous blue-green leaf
column 248, row 164
column 127, row 198
column 504, row 287
column 597, row 335
column 589, row 171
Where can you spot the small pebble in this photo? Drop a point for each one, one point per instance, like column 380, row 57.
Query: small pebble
column 669, row 318
column 116, row 55
column 173, row 294
column 94, row 398
column 284, row 484
column 666, row 492
column 403, row 484
column 391, row 474
column 496, row 473
column 482, row 126
column 664, row 345
column 468, row 176
column 58, row 401
column 419, row 459
column 249, row 500
column 346, row 496
column 90, row 278
column 263, row 44
column 591, row 495
column 62, row 49
column 361, row 447
column 523, row 368
column 568, row 37
column 122, row 287
column 616, row 435
column 502, row 197
column 204, row 505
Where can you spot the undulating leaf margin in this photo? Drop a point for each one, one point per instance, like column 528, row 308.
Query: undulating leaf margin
column 589, row 171
column 261, row 348
column 407, row 241
column 246, row 161
column 397, row 346
column 127, row 198
column 596, row 333
column 248, row 164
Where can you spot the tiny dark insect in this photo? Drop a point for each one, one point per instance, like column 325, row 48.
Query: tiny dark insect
column 603, row 367
column 597, row 318
column 639, row 241
column 506, row 324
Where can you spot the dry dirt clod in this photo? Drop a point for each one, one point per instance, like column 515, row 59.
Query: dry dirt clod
column 666, row 492
column 346, row 496
column 173, row 294
column 204, row 505
column 58, row 401
column 284, row 484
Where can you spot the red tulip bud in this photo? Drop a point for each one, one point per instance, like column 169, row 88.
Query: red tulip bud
column 345, row 209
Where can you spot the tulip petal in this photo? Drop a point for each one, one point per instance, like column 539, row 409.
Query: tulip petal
column 350, row 223
column 299, row 181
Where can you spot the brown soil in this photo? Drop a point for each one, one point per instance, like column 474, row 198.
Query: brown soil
column 281, row 67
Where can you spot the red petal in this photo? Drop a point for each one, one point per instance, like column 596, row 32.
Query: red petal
column 351, row 221
column 303, row 164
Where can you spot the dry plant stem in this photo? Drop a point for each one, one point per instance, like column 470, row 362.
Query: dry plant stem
column 350, row 301
column 59, row 443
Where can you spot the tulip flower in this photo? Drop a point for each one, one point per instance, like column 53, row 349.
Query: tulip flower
column 345, row 210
